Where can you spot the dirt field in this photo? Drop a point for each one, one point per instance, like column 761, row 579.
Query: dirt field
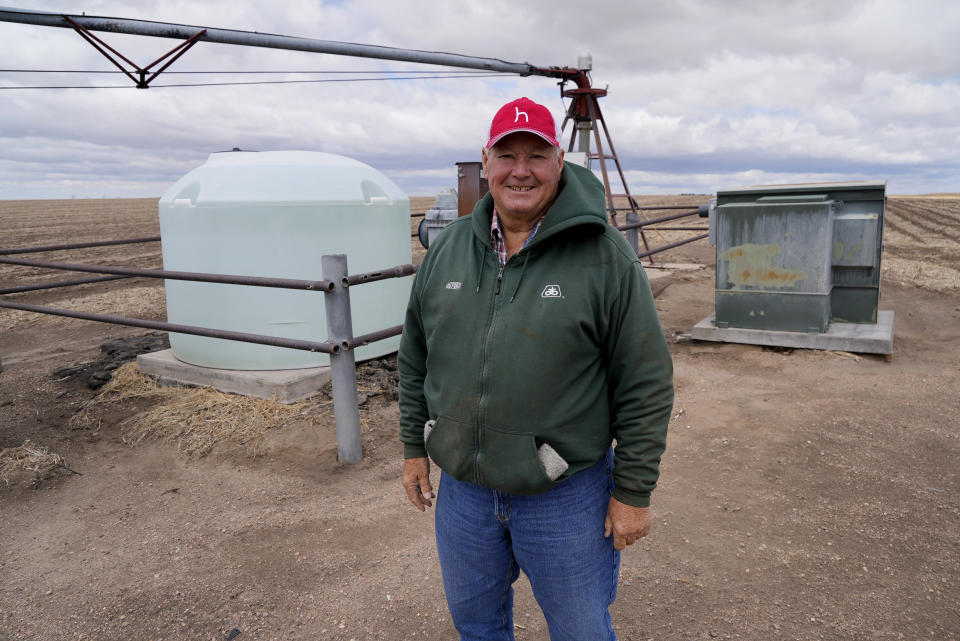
column 804, row 494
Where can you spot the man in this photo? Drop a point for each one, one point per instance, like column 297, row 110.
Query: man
column 530, row 343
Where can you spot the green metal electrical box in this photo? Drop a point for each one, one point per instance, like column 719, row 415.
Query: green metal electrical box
column 797, row 258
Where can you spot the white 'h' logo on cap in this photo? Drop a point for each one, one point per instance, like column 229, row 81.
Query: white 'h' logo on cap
column 521, row 113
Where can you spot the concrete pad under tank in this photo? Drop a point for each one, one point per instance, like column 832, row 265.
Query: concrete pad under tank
column 285, row 386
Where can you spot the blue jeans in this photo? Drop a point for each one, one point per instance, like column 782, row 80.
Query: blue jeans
column 485, row 538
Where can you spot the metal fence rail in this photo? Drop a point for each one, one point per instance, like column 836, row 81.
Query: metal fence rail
column 61, row 283
column 663, row 248
column 660, row 219
column 226, row 279
column 69, row 283
column 335, row 286
column 101, row 243
column 688, row 211
column 700, row 211
column 274, row 341
column 373, row 337
column 392, row 272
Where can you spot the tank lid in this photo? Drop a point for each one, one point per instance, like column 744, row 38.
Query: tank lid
column 262, row 177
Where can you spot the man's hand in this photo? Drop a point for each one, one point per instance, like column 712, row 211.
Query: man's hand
column 627, row 523
column 416, row 481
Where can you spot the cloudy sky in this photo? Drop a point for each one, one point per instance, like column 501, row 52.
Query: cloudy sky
column 702, row 95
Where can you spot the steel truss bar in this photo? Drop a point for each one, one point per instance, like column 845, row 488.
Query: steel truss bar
column 101, row 243
column 227, row 279
column 274, row 41
column 176, row 52
column 100, row 46
column 274, row 341
column 142, row 82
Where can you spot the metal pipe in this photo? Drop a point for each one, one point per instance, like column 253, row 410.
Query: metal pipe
column 274, row 41
column 678, row 229
column 653, row 208
column 102, row 243
column 62, row 283
column 393, row 272
column 274, row 341
column 657, row 250
column 653, row 221
column 227, row 279
column 343, row 370
column 373, row 337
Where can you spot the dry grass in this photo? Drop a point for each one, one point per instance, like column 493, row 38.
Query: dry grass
column 195, row 419
column 27, row 460
column 841, row 354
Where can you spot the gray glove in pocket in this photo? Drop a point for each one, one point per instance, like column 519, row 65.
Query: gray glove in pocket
column 553, row 463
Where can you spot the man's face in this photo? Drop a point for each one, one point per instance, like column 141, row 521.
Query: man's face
column 523, row 171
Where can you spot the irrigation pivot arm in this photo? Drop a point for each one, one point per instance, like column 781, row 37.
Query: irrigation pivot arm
column 584, row 108
column 273, row 41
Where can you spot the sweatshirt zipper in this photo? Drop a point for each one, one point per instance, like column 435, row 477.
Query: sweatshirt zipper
column 483, row 374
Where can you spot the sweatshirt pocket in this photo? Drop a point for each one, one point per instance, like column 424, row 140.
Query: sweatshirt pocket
column 452, row 446
column 510, row 463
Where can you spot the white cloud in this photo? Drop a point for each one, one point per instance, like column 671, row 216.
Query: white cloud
column 701, row 93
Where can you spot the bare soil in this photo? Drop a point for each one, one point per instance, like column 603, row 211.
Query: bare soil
column 804, row 494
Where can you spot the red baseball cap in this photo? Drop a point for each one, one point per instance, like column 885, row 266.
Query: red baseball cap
column 523, row 114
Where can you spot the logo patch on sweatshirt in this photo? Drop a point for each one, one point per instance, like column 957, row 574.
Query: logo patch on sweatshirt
column 551, row 291
column 454, row 284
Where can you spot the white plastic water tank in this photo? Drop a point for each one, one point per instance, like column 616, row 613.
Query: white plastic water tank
column 275, row 214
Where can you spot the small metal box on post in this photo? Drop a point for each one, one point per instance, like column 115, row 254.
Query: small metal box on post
column 471, row 186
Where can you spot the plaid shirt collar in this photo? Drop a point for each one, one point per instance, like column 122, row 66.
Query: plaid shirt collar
column 497, row 240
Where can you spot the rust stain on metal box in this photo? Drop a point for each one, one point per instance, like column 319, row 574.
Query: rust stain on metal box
column 752, row 266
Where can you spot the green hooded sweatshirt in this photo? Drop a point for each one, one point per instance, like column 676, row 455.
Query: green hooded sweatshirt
column 562, row 347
